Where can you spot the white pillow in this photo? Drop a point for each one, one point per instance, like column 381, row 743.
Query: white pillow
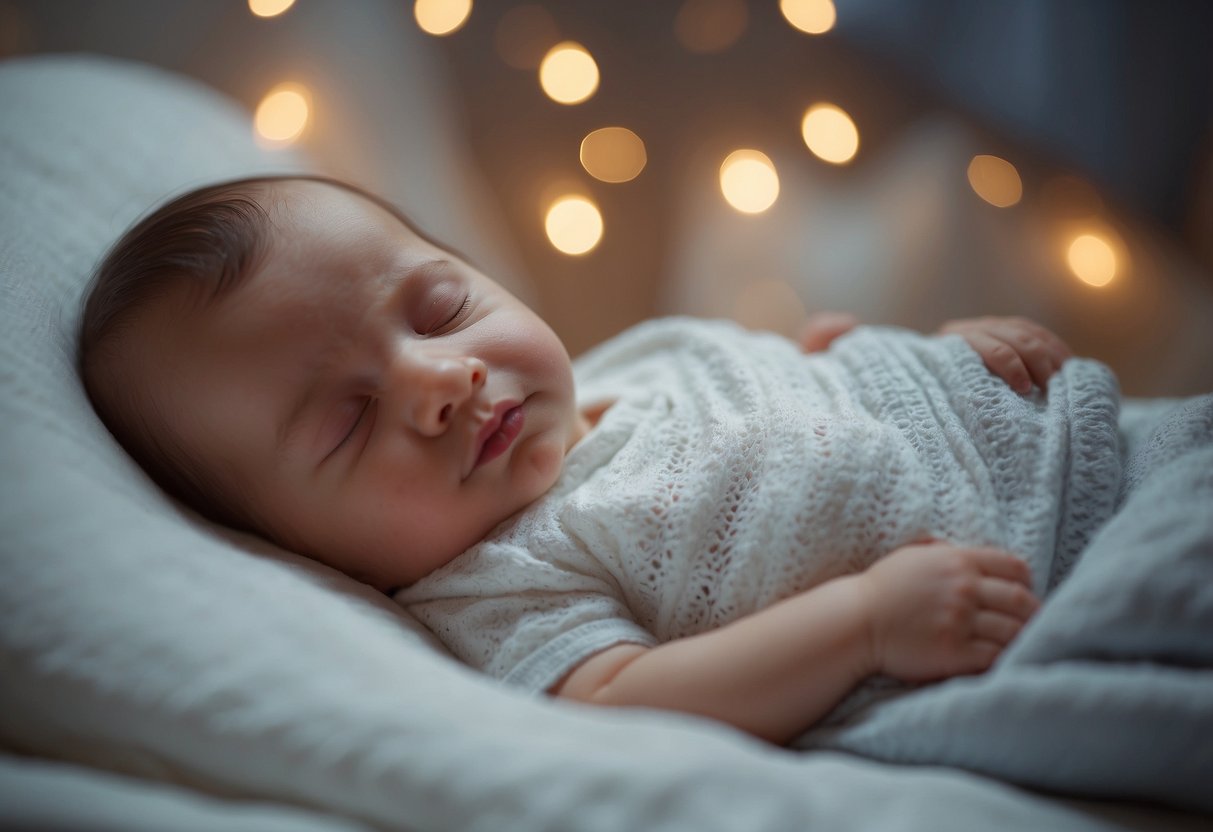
column 138, row 639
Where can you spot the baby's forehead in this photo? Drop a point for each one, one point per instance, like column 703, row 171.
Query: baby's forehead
column 318, row 242
column 311, row 206
column 328, row 210
column 309, row 219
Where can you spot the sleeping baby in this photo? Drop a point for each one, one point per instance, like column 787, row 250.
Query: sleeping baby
column 692, row 516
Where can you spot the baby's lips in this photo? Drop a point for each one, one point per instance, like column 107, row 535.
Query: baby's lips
column 508, row 426
column 491, row 424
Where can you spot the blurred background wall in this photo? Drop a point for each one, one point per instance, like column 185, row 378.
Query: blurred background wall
column 907, row 160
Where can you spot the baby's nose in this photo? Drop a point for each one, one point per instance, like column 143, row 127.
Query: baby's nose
column 441, row 387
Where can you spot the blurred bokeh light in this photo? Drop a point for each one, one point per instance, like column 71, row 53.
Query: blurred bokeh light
column 568, row 73
column 573, row 224
column 706, row 26
column 748, row 181
column 283, row 114
column 1092, row 258
column 815, row 17
column 1062, row 113
column 830, row 133
column 524, row 35
column 269, row 8
column 441, row 17
column 613, row 154
column 995, row 180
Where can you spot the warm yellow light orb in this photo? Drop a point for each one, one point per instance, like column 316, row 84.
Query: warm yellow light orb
column 441, row 17
column 568, row 73
column 613, row 154
column 748, row 181
column 573, row 224
column 816, row 17
column 269, row 8
column 1092, row 259
column 995, row 180
column 830, row 133
column 283, row 114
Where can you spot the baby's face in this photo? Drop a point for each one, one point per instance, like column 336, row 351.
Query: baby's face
column 377, row 403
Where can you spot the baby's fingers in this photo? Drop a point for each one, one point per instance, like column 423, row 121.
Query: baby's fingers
column 1059, row 349
column 1026, row 327
column 1041, row 352
column 1002, row 359
column 1007, row 597
column 979, row 654
column 996, row 627
column 997, row 563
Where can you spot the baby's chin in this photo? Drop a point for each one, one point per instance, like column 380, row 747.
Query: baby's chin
column 536, row 470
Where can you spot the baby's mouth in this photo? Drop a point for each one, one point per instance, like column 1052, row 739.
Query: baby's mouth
column 499, row 432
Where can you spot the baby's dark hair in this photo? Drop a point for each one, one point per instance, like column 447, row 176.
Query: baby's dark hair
column 206, row 242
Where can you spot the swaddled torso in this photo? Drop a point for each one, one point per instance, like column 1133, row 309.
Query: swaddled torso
column 732, row 470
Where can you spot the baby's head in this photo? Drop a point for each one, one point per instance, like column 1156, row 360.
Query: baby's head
column 291, row 357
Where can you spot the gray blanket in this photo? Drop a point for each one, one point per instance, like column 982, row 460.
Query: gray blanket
column 1108, row 691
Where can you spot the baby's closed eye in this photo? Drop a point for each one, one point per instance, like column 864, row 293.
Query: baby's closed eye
column 348, row 416
column 447, row 305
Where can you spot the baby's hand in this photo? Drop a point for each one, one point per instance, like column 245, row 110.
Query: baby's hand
column 821, row 328
column 939, row 610
column 1019, row 351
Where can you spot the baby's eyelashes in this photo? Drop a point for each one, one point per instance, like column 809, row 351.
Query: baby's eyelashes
column 351, row 414
column 445, row 310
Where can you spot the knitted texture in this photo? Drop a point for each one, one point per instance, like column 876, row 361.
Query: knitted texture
column 733, row 471
column 1108, row 690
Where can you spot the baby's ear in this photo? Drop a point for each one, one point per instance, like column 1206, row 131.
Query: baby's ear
column 820, row 330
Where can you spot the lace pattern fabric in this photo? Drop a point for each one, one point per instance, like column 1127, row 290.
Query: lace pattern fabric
column 734, row 471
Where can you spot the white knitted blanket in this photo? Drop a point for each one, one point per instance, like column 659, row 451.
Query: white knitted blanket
column 733, row 471
column 1108, row 691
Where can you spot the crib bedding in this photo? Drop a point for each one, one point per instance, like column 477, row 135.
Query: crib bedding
column 159, row 672
column 50, row 796
column 38, row 796
column 1109, row 689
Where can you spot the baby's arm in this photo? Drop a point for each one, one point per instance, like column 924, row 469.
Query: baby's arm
column 925, row 612
column 1019, row 351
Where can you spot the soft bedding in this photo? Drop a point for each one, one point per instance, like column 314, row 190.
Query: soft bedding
column 1109, row 689
column 160, row 673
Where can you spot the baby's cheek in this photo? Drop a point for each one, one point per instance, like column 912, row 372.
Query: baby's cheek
column 546, row 460
column 534, row 470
